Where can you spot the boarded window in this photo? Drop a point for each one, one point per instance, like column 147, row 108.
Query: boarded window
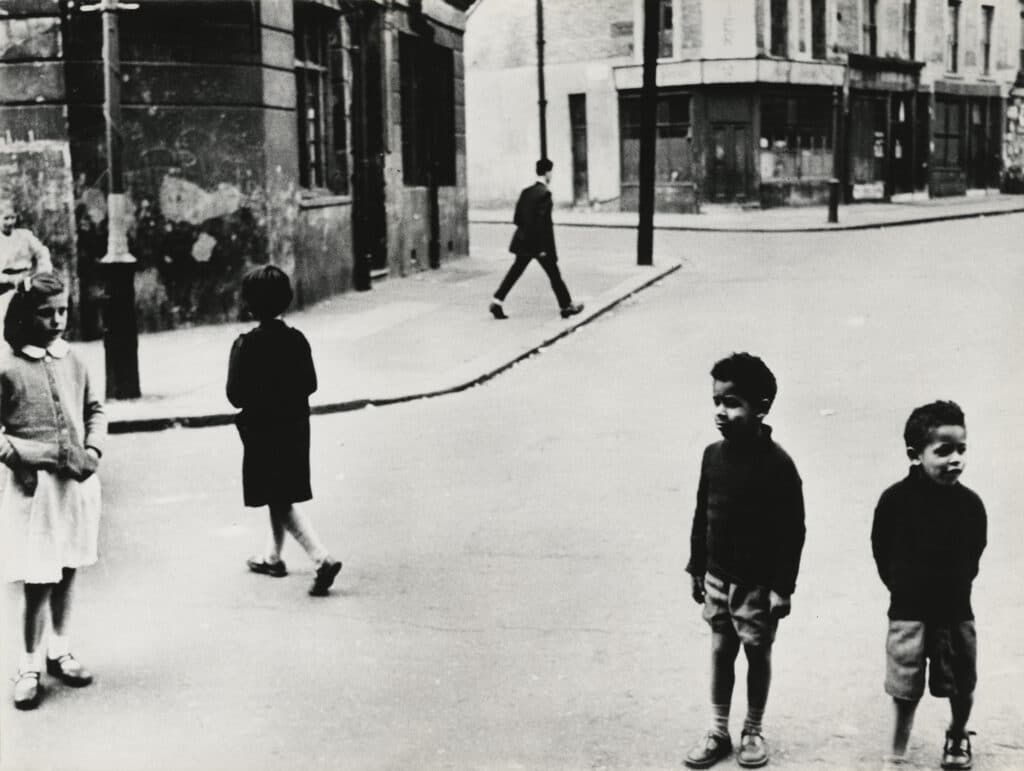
column 428, row 112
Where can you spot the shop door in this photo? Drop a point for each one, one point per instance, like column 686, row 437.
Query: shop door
column 982, row 144
column 868, row 147
column 729, row 177
column 902, row 149
column 578, row 125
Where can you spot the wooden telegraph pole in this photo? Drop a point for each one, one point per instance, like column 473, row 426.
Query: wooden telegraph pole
column 648, row 136
column 120, row 326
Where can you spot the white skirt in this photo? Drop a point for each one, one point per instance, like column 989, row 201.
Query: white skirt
column 56, row 528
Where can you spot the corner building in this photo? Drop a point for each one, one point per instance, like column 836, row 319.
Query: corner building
column 760, row 102
column 325, row 136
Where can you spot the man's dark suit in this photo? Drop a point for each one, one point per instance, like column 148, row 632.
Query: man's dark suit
column 534, row 239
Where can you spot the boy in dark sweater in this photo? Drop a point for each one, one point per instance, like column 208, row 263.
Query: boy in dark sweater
column 927, row 537
column 745, row 545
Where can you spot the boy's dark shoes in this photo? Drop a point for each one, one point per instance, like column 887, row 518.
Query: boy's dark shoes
column 497, row 311
column 264, row 568
column 27, row 690
column 325, row 575
column 957, row 752
column 753, row 751
column 572, row 310
column 710, row 749
column 69, row 671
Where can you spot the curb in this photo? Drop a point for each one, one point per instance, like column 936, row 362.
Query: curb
column 809, row 229
column 140, row 425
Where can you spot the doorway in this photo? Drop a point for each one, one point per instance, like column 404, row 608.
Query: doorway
column 578, row 128
column 729, row 160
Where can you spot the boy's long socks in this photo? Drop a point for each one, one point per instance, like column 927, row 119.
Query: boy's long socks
column 752, row 723
column 720, row 719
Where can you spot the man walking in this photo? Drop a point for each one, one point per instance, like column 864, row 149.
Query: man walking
column 535, row 239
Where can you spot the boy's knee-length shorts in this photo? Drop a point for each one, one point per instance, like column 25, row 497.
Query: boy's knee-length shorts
column 951, row 653
column 741, row 610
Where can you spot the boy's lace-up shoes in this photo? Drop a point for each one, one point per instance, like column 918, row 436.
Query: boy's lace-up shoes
column 710, row 749
column 27, row 690
column 957, row 752
column 69, row 671
column 497, row 311
column 571, row 310
column 753, row 751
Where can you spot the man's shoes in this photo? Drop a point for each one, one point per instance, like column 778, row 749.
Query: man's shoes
column 957, row 751
column 572, row 310
column 27, row 690
column 264, row 568
column 325, row 575
column 710, row 749
column 69, row 671
column 753, row 751
column 497, row 311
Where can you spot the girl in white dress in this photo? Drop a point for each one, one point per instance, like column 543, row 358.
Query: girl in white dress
column 53, row 428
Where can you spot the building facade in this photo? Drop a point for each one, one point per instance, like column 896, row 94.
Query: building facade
column 325, row 136
column 760, row 102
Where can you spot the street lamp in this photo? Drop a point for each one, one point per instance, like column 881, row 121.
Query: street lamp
column 120, row 326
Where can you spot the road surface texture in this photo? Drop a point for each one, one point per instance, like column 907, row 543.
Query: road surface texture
column 513, row 594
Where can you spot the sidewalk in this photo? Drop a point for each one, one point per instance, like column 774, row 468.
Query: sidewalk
column 722, row 218
column 422, row 335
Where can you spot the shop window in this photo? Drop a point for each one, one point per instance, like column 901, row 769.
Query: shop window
column 665, row 29
column 949, row 133
column 673, row 158
column 779, row 27
column 819, row 46
column 320, row 101
column 427, row 74
column 796, row 137
column 953, row 36
column 987, row 11
column 871, row 27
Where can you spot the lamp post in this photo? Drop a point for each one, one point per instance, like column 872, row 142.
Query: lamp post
column 648, row 136
column 542, row 102
column 120, row 326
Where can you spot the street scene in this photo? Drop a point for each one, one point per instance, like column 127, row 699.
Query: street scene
column 513, row 593
column 496, row 384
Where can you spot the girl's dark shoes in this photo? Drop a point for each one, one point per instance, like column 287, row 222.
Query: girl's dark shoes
column 326, row 572
column 69, row 671
column 27, row 690
column 264, row 568
column 711, row 748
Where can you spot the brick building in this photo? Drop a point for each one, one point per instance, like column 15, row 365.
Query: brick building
column 326, row 136
column 759, row 101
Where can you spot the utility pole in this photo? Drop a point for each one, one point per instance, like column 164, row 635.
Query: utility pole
column 542, row 102
column 120, row 326
column 648, row 136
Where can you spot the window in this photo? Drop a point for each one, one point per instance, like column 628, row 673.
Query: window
column 796, row 137
column 665, row 29
column 320, row 101
column 948, row 133
column 986, row 38
column 1021, row 63
column 819, row 48
column 427, row 73
column 780, row 24
column 673, row 159
column 910, row 28
column 953, row 36
column 870, row 46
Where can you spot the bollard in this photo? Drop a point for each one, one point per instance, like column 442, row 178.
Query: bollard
column 833, row 201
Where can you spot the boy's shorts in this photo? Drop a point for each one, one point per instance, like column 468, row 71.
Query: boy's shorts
column 741, row 610
column 951, row 649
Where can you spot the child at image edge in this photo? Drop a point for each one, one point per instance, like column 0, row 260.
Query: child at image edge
column 927, row 537
column 53, row 431
column 745, row 546
column 270, row 378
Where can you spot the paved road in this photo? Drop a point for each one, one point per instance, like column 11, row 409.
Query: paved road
column 513, row 595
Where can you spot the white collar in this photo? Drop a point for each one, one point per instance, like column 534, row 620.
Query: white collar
column 542, row 181
column 58, row 349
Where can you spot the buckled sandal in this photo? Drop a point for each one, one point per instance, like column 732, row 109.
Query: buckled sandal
column 27, row 690
column 69, row 671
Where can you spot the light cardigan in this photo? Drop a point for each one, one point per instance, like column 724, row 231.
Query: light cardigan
column 47, row 407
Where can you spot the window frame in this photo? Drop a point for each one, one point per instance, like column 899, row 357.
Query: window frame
column 910, row 28
column 819, row 29
column 953, row 36
column 987, row 17
column 870, row 28
column 778, row 28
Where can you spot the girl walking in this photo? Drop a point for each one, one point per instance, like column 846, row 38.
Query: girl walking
column 270, row 379
column 50, row 447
